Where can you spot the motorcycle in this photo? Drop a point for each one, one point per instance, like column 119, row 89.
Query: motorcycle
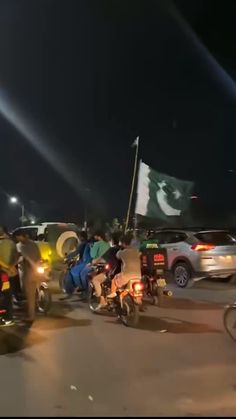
column 229, row 320
column 125, row 305
column 155, row 287
column 153, row 276
column 68, row 274
column 67, row 266
column 43, row 293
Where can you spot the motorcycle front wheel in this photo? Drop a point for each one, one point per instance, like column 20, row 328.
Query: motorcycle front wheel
column 230, row 321
column 61, row 281
column 43, row 300
column 129, row 314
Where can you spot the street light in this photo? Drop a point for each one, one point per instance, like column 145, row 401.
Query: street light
column 14, row 200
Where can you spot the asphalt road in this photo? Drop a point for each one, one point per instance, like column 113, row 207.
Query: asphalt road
column 74, row 363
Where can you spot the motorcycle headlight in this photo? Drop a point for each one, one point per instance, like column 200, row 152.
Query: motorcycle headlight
column 40, row 270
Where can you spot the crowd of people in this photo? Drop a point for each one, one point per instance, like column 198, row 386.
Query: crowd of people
column 121, row 255
column 19, row 257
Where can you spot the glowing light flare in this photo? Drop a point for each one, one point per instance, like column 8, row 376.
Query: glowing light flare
column 11, row 112
column 40, row 270
column 138, row 287
column 13, row 200
column 214, row 68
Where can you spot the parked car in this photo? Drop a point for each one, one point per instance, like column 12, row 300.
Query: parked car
column 197, row 254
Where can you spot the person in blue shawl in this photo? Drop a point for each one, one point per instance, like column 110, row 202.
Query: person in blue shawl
column 73, row 278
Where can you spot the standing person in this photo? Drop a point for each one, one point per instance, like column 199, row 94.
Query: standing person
column 14, row 276
column 30, row 258
column 8, row 260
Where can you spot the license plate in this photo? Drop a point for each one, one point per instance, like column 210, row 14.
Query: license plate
column 161, row 283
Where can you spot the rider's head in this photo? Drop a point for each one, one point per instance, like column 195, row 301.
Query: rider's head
column 3, row 232
column 115, row 238
column 21, row 236
column 99, row 235
column 150, row 235
column 83, row 236
column 126, row 240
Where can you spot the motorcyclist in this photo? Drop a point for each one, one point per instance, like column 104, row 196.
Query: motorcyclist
column 114, row 267
column 83, row 237
column 130, row 265
column 72, row 279
column 97, row 251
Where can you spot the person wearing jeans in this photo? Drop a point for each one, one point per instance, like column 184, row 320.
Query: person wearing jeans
column 97, row 251
column 114, row 266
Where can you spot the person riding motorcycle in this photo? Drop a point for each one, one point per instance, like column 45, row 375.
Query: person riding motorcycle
column 114, row 267
column 73, row 279
column 83, row 237
column 97, row 251
column 130, row 265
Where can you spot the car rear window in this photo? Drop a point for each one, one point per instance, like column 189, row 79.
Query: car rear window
column 219, row 238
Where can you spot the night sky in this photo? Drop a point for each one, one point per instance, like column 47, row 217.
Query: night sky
column 91, row 75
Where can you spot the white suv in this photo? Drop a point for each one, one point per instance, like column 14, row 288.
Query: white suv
column 193, row 255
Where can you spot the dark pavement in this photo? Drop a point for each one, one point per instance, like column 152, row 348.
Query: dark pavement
column 74, row 363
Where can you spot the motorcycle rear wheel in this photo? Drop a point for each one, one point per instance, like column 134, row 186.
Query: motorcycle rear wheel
column 229, row 320
column 156, row 295
column 93, row 301
column 130, row 312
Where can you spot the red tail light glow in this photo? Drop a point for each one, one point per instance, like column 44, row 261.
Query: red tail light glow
column 138, row 287
column 159, row 258
column 202, row 247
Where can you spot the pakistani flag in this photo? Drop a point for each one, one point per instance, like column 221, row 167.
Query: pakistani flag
column 161, row 196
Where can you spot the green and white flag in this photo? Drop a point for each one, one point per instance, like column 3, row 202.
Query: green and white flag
column 161, row 196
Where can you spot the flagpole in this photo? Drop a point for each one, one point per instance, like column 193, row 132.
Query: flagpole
column 133, row 183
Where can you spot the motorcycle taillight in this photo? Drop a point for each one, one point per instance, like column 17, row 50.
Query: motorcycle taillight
column 138, row 287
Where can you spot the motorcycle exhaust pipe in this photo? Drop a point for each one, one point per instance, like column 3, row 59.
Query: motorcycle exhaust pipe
column 167, row 293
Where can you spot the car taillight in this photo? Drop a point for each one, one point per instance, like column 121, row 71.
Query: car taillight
column 138, row 287
column 202, row 247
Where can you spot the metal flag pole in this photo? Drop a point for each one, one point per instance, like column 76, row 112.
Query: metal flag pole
column 135, row 144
